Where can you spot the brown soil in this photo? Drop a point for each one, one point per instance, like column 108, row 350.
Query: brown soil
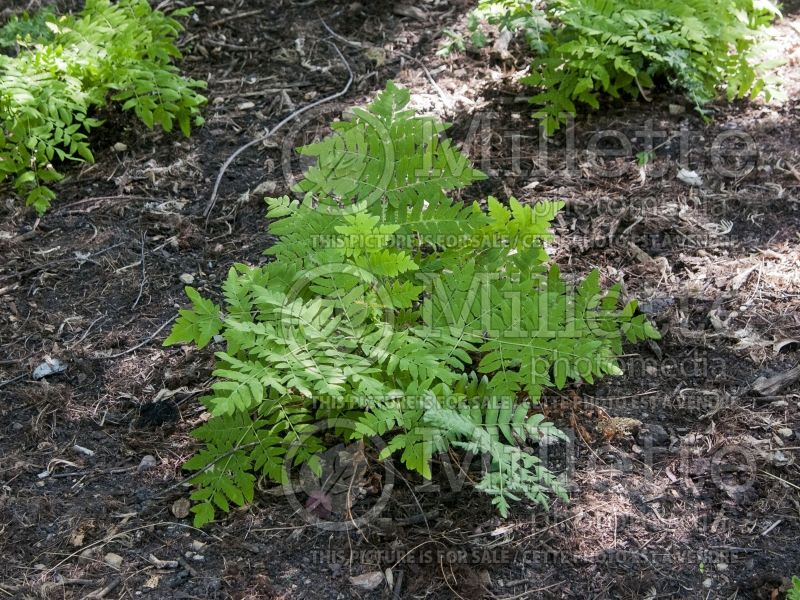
column 696, row 498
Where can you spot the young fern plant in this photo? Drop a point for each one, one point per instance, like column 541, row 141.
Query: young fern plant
column 119, row 52
column 584, row 50
column 389, row 305
column 626, row 47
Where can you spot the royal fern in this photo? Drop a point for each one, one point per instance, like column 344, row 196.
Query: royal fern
column 423, row 320
column 68, row 68
column 585, row 49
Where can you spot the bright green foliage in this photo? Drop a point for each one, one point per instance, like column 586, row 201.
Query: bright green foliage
column 29, row 28
column 121, row 52
column 621, row 47
column 794, row 592
column 516, row 16
column 522, row 16
column 413, row 316
column 198, row 325
column 586, row 48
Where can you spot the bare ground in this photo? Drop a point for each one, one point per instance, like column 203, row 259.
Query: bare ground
column 695, row 497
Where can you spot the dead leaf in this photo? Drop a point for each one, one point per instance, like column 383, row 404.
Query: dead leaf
column 367, row 581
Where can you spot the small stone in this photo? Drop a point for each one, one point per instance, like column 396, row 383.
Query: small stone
column 676, row 109
column 690, row 178
column 785, row 432
column 654, row 433
column 779, row 459
column 367, row 581
column 148, row 462
column 187, row 278
column 180, row 508
column 266, row 188
column 779, row 404
column 651, row 370
column 197, row 545
column 708, row 582
column 76, row 539
column 120, row 147
column 50, row 366
column 198, row 557
column 86, row 555
column 407, row 10
column 246, row 105
column 722, row 566
column 692, row 439
column 114, row 560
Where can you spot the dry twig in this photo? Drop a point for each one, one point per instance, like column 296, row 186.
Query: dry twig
column 212, row 201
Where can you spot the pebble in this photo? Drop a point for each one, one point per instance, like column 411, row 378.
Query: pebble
column 148, row 462
column 197, row 545
column 779, row 459
column 50, row 366
column 181, row 507
column 692, row 439
column 114, row 560
column 187, row 278
column 785, row 432
column 120, row 147
column 246, row 105
column 652, row 432
column 88, row 553
column 708, row 582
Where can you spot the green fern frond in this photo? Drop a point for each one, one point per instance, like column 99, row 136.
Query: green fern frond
column 427, row 322
column 70, row 66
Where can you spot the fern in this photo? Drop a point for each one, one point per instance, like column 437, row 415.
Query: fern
column 28, row 28
column 584, row 49
column 119, row 52
column 794, row 591
column 426, row 321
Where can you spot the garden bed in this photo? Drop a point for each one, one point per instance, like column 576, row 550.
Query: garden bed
column 693, row 496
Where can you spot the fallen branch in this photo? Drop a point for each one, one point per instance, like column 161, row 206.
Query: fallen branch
column 769, row 386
